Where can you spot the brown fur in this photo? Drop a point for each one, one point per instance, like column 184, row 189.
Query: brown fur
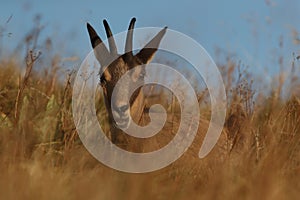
column 112, row 72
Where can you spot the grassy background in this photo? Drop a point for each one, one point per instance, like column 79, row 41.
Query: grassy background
column 41, row 156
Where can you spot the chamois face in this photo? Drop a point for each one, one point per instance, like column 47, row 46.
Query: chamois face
column 114, row 66
column 119, row 107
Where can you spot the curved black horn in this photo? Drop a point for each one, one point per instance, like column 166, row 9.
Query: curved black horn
column 128, row 45
column 111, row 41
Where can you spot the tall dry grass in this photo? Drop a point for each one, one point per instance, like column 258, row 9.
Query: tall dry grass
column 43, row 158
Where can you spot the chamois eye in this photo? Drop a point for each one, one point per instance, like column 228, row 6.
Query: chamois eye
column 102, row 80
column 141, row 75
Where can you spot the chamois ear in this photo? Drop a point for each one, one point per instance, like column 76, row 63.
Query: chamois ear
column 99, row 47
column 146, row 54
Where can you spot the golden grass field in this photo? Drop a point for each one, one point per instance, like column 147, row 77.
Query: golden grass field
column 41, row 156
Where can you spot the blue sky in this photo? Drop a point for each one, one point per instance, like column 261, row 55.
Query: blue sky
column 248, row 31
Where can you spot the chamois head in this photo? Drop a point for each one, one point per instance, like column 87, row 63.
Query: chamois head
column 114, row 66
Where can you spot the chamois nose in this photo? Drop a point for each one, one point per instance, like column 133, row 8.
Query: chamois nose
column 123, row 108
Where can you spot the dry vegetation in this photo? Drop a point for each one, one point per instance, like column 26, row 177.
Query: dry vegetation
column 41, row 156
